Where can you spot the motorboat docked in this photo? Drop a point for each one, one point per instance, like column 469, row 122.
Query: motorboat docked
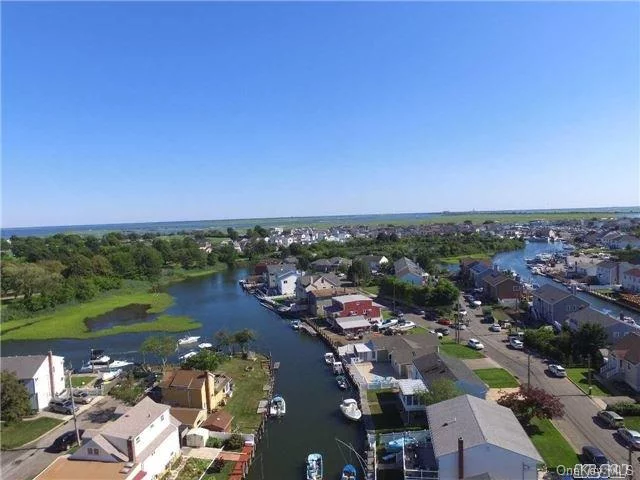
column 188, row 339
column 295, row 324
column 278, row 406
column 329, row 358
column 399, row 443
column 350, row 409
column 205, row 345
column 349, row 472
column 98, row 357
column 341, row 380
column 110, row 375
column 188, row 355
column 338, row 369
column 314, row 466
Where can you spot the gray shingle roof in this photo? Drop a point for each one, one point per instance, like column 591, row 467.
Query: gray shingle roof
column 478, row 422
column 24, row 366
column 136, row 419
column 589, row 315
column 438, row 366
column 404, row 266
column 550, row 294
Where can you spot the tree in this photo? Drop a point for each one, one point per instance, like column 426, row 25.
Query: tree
column 233, row 235
column 223, row 339
column 530, row 402
column 14, row 398
column 203, row 360
column 148, row 262
column 588, row 339
column 244, row 337
column 159, row 345
column 444, row 293
column 439, row 391
column 359, row 272
column 260, row 231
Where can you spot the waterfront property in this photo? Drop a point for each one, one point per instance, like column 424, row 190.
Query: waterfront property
column 408, row 271
column 631, row 280
column 42, row 376
column 374, row 262
column 608, row 272
column 319, row 299
column 400, row 351
column 139, row 445
column 197, row 389
column 616, row 328
column 553, row 304
column 474, row 437
column 498, row 287
column 436, row 366
column 353, row 305
column 623, row 363
column 312, row 283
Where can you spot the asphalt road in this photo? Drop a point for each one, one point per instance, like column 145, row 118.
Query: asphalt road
column 28, row 461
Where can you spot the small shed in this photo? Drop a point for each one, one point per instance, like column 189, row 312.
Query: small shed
column 197, row 437
column 353, row 324
column 363, row 352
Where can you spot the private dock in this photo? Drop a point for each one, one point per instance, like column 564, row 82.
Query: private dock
column 308, row 329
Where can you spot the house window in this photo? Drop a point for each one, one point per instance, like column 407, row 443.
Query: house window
column 137, row 439
column 162, row 417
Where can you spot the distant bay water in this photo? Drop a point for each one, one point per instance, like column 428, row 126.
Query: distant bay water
column 242, row 224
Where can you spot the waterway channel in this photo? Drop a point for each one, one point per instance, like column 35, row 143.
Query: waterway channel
column 313, row 420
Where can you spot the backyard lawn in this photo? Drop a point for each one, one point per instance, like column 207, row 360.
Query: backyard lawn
column 82, row 380
column 579, row 376
column 193, row 469
column 384, row 413
column 497, row 377
column 459, row 350
column 500, row 315
column 632, row 423
column 553, row 447
column 249, row 378
column 373, row 289
column 222, row 474
column 26, row 431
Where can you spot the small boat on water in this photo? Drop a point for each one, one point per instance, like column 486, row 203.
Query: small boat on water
column 295, row 324
column 329, row 358
column 205, row 345
column 350, row 409
column 314, row 466
column 188, row 355
column 188, row 339
column 110, row 375
column 338, row 369
column 349, row 472
column 342, row 382
column 98, row 357
column 278, row 407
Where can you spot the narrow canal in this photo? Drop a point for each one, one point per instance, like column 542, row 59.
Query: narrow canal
column 313, row 420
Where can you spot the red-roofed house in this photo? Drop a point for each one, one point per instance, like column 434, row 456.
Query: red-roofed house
column 631, row 280
column 624, row 361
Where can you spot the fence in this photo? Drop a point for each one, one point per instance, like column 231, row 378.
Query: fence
column 222, row 436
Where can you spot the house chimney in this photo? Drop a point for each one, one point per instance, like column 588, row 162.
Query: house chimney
column 131, row 449
column 208, row 407
column 52, row 387
column 460, row 458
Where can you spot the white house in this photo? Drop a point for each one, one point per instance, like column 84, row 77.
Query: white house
column 139, row 445
column 286, row 283
column 274, row 271
column 409, row 271
column 631, row 280
column 409, row 390
column 42, row 375
column 626, row 241
column 474, row 437
column 623, row 362
column 608, row 273
column 374, row 262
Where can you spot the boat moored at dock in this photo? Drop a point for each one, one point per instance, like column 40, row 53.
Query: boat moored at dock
column 348, row 472
column 329, row 358
column 314, row 466
column 278, row 406
column 349, row 408
column 188, row 340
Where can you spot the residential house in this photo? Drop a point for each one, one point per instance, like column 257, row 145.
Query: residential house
column 374, row 262
column 409, row 271
column 351, row 325
column 631, row 280
column 189, row 417
column 286, row 282
column 272, row 272
column 609, row 239
column 260, row 268
column 195, row 389
column 623, row 362
column 353, row 305
column 319, row 299
column 308, row 283
column 616, row 328
column 321, row 265
column 608, row 272
column 42, row 376
column 584, row 267
column 552, row 304
column 139, row 445
column 477, row 272
column 501, row 288
column 475, row 438
column 401, row 351
column 409, row 393
column 625, row 241
column 218, row 421
column 435, row 366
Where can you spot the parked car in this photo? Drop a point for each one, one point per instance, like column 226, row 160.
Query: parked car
column 64, row 442
column 443, row 330
column 82, row 397
column 462, row 312
column 422, row 313
column 630, row 437
column 593, row 455
column 475, row 344
column 557, row 370
column 444, row 321
column 495, row 327
column 515, row 343
column 459, row 326
column 62, row 406
column 611, row 419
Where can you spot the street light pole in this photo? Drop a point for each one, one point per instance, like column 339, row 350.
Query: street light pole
column 528, row 370
column 73, row 408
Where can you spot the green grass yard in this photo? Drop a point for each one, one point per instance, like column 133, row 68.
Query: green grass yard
column 82, row 380
column 20, row 433
column 193, row 469
column 459, row 350
column 579, row 376
column 456, row 259
column 632, row 423
column 552, row 446
column 496, row 377
column 373, row 289
column 248, row 380
column 222, row 474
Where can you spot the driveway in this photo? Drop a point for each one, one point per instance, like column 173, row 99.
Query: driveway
column 29, row 460
column 578, row 424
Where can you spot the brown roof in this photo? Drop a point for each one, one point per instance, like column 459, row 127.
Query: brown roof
column 219, row 421
column 189, row 379
column 634, row 272
column 187, row 416
column 628, row 348
column 64, row 469
column 332, row 292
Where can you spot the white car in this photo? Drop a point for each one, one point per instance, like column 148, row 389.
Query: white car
column 557, row 371
column 495, row 327
column 514, row 342
column 462, row 312
column 475, row 344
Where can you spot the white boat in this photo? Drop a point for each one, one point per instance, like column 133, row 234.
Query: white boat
column 189, row 339
column 187, row 355
column 295, row 324
column 205, row 345
column 314, row 466
column 110, row 375
column 98, row 357
column 278, row 406
column 350, row 409
column 101, row 367
column 119, row 364
column 338, row 369
column 329, row 358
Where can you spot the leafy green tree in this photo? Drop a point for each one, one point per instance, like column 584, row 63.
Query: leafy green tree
column 244, row 337
column 439, row 391
column 223, row 340
column 14, row 398
column 148, row 262
column 227, row 254
column 78, row 266
column 260, row 231
column 588, row 340
column 160, row 345
column 233, row 235
column 122, row 263
column 100, row 265
column 359, row 272
column 444, row 293
column 203, row 360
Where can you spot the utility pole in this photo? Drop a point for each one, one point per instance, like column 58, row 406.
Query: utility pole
column 629, row 463
column 589, row 372
column 73, row 408
column 528, row 370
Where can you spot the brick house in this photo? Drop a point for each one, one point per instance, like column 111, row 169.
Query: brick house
column 353, row 305
column 501, row 288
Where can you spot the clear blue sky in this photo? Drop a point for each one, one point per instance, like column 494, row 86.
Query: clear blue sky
column 116, row 112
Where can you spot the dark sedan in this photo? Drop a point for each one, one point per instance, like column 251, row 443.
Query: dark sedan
column 64, row 442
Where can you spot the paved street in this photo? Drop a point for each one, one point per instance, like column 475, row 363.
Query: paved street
column 26, row 462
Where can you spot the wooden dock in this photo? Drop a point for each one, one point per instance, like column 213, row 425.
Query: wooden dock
column 308, row 329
